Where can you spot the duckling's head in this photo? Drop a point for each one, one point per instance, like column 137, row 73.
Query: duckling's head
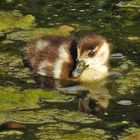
column 92, row 58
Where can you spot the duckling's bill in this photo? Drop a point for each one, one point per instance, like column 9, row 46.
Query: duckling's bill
column 80, row 67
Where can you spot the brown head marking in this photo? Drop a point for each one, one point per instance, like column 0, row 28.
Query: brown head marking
column 90, row 42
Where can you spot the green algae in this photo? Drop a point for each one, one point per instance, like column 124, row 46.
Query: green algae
column 133, row 133
column 89, row 134
column 15, row 19
column 127, row 83
column 11, row 98
column 129, row 4
column 36, row 32
column 11, row 135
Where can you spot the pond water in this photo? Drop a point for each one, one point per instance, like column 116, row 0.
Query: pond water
column 29, row 112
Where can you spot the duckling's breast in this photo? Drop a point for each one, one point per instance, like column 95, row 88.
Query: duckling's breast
column 91, row 74
column 50, row 56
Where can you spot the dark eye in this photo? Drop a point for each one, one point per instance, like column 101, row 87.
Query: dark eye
column 91, row 54
column 92, row 104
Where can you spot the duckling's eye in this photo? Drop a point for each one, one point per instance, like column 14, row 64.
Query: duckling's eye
column 92, row 104
column 91, row 54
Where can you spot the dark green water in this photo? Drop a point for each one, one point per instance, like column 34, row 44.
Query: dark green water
column 119, row 23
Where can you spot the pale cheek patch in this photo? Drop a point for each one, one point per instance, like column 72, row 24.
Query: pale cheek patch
column 63, row 57
column 103, row 52
column 100, row 58
column 41, row 44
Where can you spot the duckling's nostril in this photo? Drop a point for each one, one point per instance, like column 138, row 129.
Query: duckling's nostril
column 77, row 60
column 80, row 67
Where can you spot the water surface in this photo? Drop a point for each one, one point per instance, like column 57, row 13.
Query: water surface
column 49, row 114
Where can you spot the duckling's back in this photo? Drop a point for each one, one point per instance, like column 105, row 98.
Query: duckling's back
column 51, row 56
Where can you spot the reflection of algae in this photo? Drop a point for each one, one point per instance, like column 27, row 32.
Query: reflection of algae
column 15, row 19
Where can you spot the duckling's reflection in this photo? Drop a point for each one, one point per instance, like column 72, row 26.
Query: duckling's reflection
column 89, row 97
column 96, row 99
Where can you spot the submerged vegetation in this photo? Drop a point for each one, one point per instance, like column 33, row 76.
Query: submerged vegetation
column 21, row 99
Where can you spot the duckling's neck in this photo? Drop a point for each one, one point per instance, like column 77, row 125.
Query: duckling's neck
column 91, row 74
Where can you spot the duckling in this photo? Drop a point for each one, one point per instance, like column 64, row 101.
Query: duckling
column 60, row 57
column 92, row 58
